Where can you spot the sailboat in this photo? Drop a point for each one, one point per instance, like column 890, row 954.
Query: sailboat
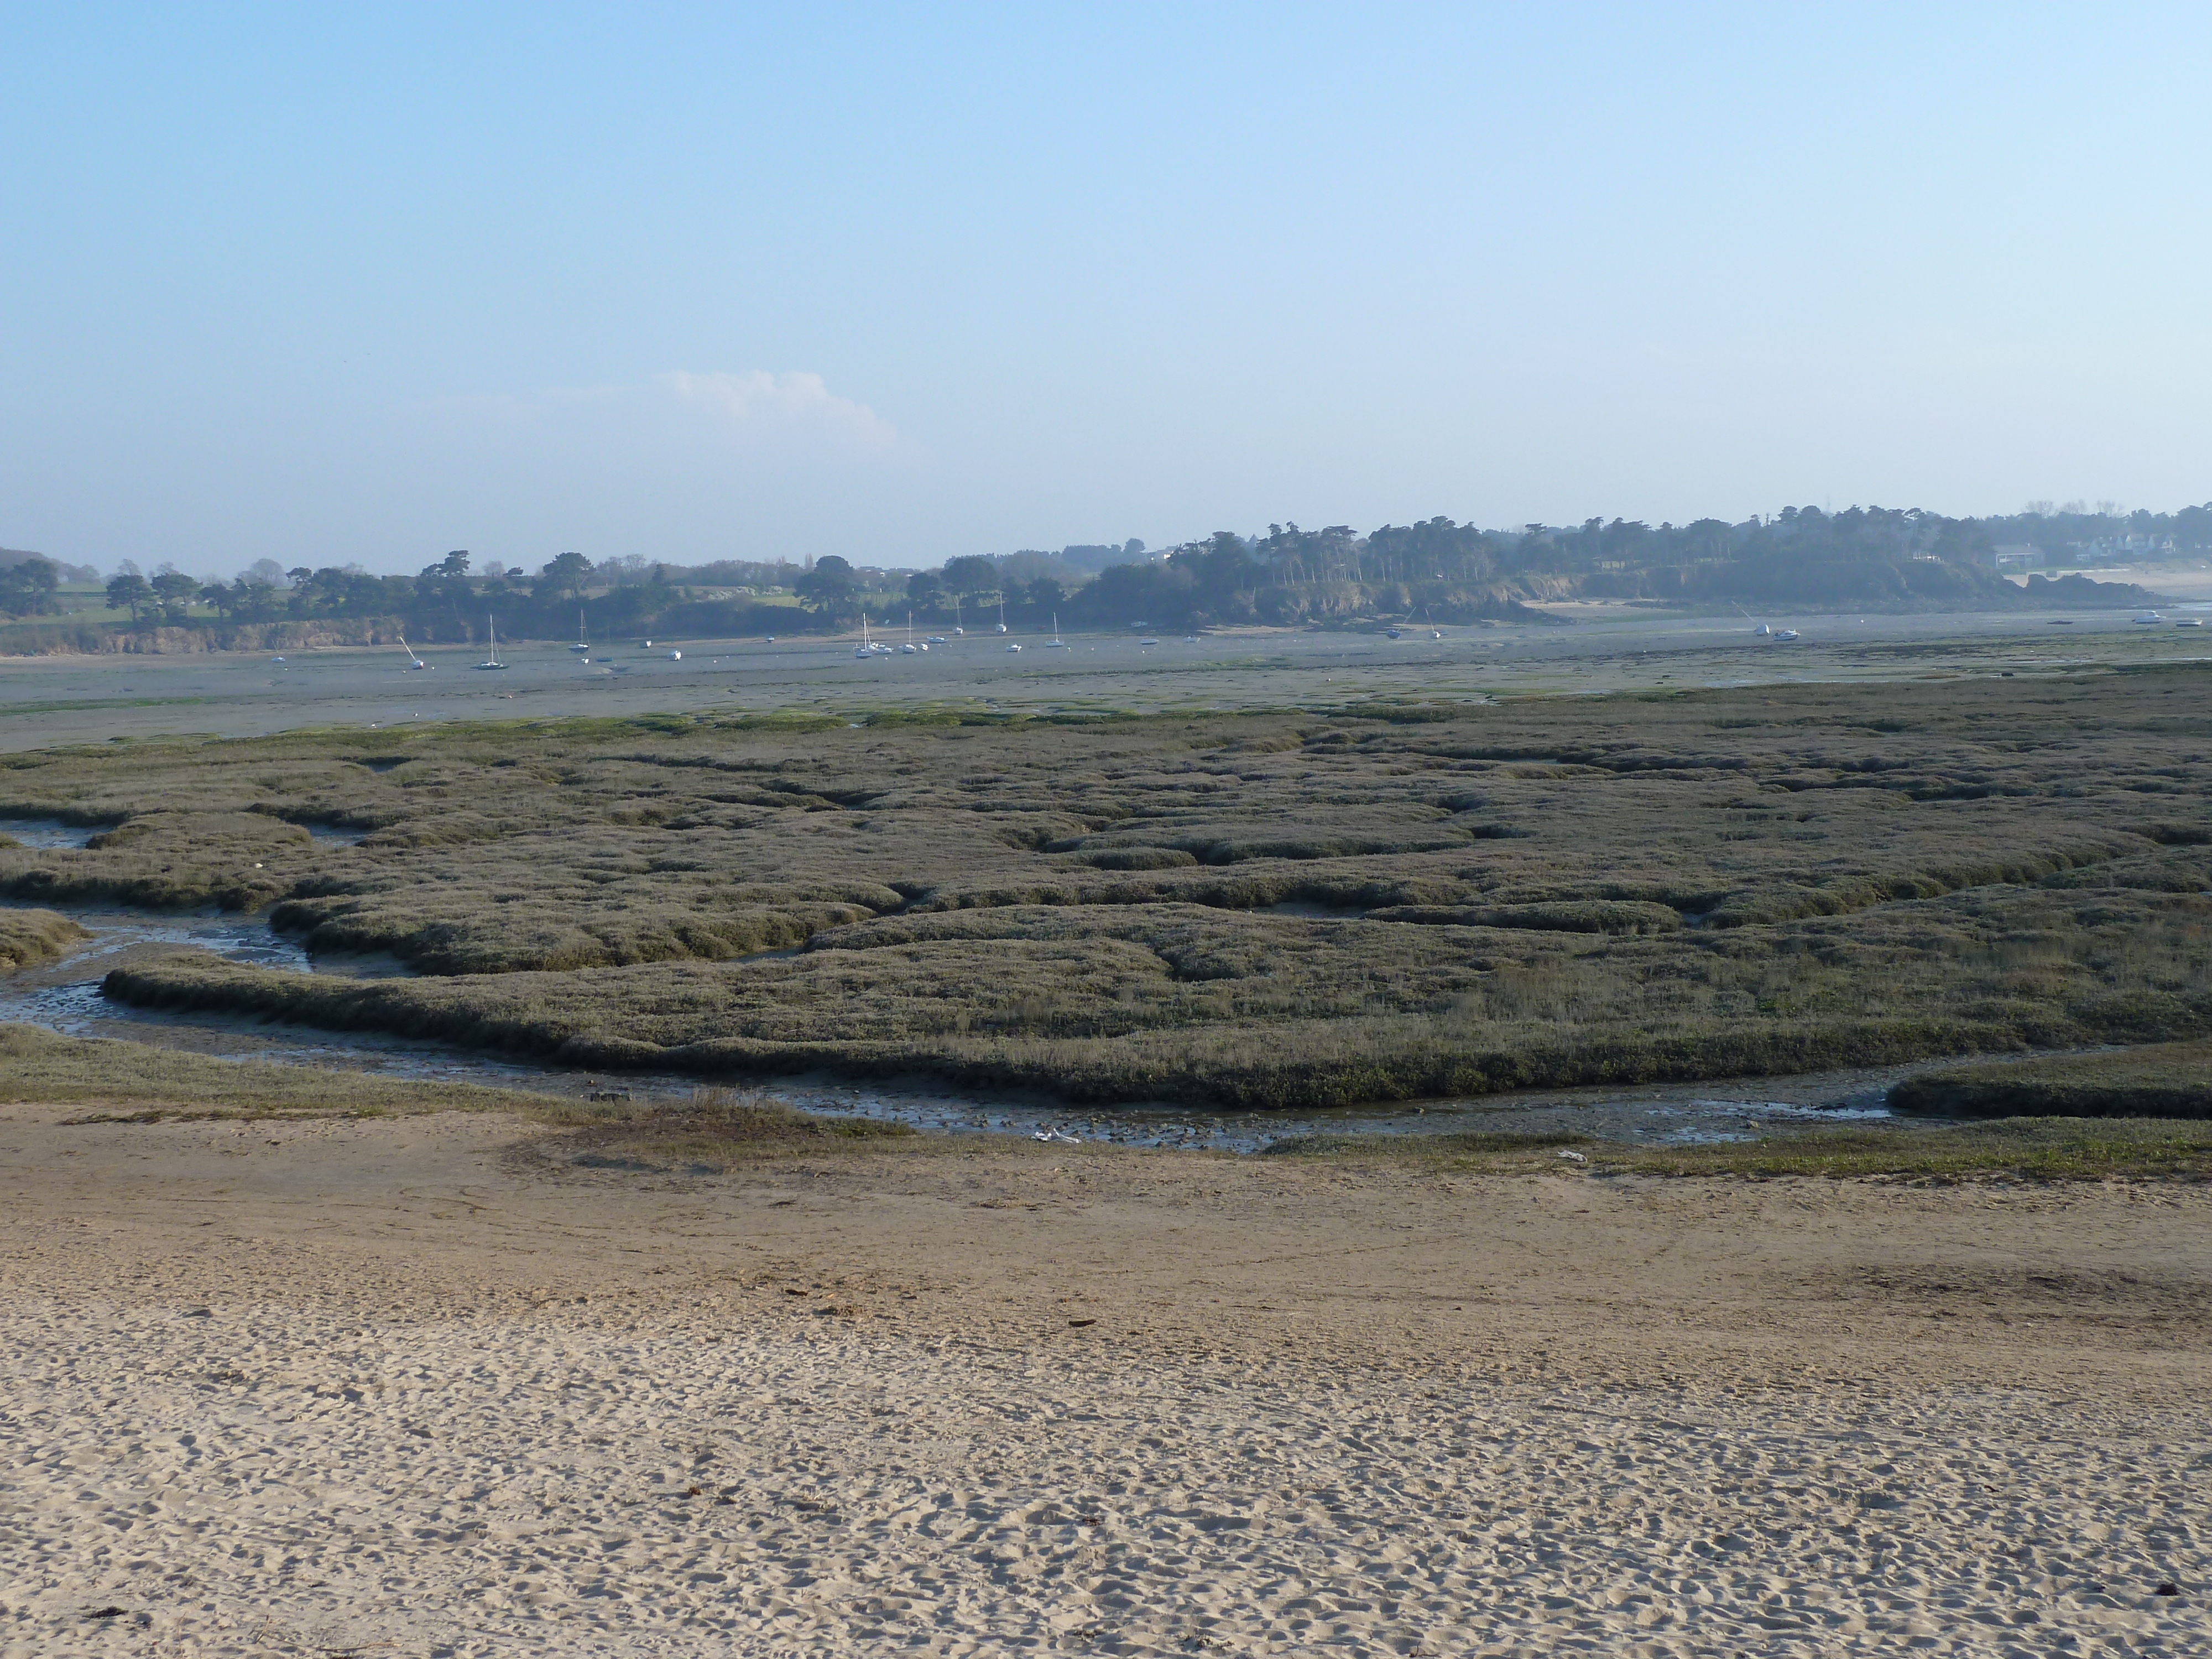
column 909, row 648
column 957, row 628
column 413, row 662
column 1057, row 643
column 583, row 639
column 493, row 629
column 1002, row 613
column 865, row 648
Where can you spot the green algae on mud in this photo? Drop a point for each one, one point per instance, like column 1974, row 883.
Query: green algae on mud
column 147, row 1083
column 715, row 1127
column 2025, row 1149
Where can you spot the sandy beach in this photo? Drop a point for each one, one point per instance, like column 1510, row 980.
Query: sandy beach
column 427, row 1386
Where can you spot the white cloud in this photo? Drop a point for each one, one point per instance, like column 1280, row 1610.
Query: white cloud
column 756, row 402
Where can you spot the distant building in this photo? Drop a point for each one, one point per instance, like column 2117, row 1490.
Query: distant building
column 2123, row 550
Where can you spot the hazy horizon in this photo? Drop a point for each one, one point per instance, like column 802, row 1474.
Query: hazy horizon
column 483, row 565
column 332, row 288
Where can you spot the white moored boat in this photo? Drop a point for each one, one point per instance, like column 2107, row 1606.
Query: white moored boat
column 492, row 629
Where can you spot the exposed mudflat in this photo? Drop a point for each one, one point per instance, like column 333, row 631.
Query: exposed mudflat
column 1589, row 648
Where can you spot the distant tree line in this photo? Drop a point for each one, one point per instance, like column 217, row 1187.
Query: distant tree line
column 1432, row 570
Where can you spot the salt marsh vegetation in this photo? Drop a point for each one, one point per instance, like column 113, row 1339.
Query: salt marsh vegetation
column 1396, row 900
column 29, row 937
column 2164, row 1080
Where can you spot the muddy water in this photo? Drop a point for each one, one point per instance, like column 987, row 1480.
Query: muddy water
column 64, row 996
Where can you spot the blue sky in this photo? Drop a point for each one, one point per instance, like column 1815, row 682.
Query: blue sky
column 332, row 283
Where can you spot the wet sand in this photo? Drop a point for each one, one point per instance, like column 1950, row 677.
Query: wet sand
column 425, row 1386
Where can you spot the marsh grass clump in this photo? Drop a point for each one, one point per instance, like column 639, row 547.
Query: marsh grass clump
column 164, row 857
column 2161, row 1080
column 1629, row 916
column 30, row 937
